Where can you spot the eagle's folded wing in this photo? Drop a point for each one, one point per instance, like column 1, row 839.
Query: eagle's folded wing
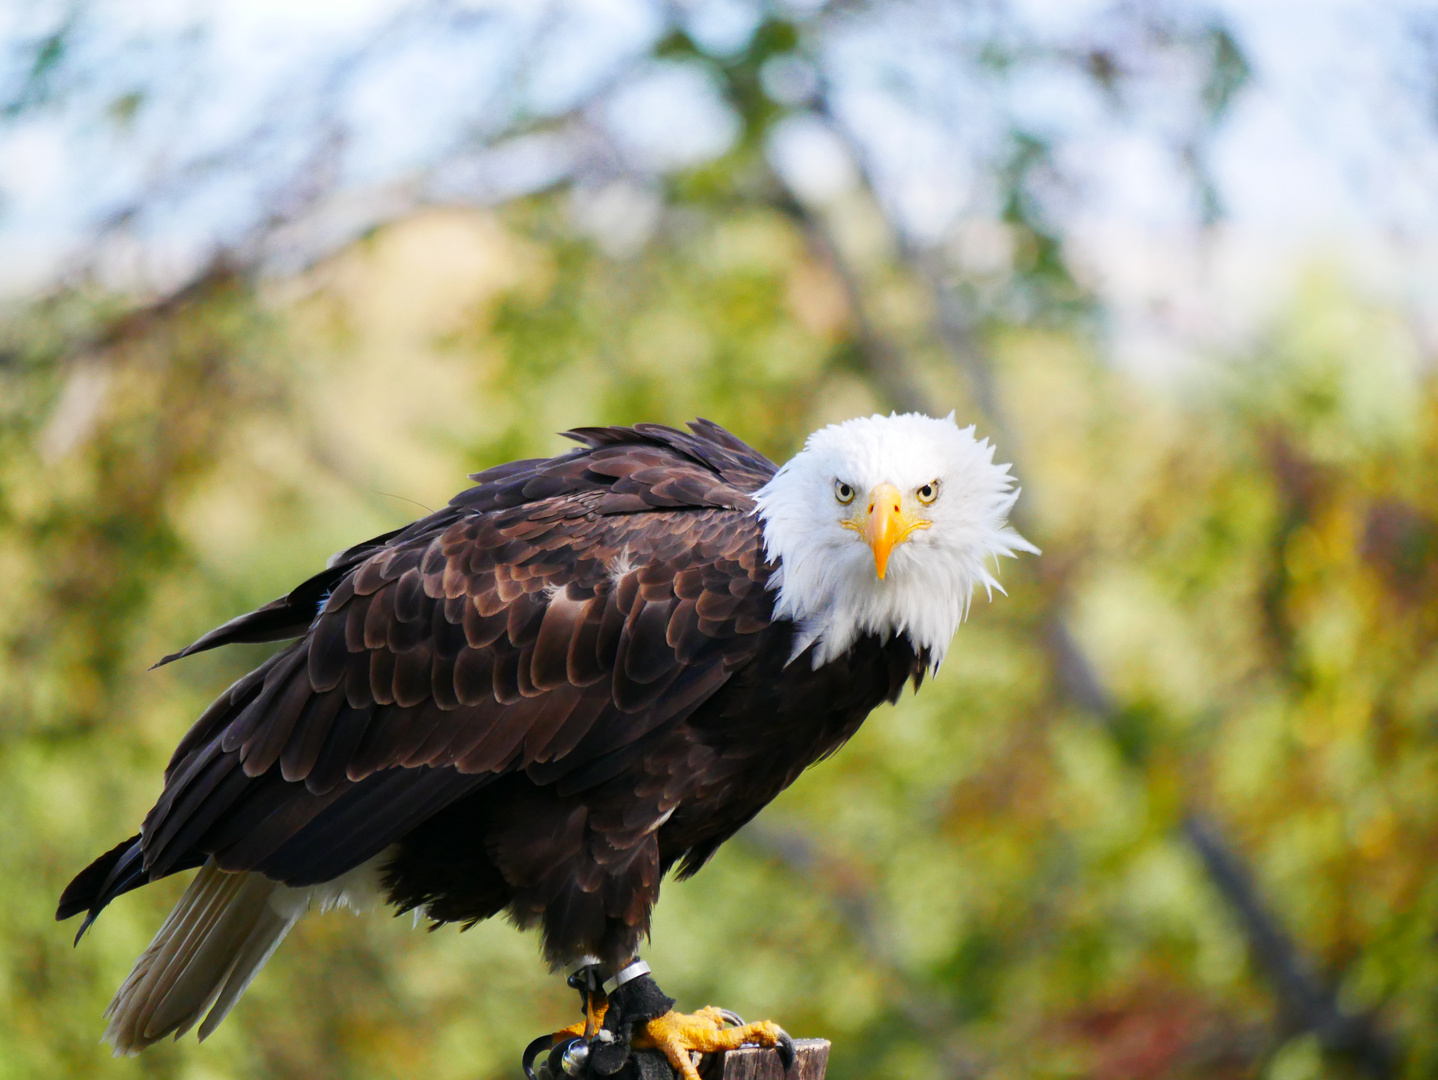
column 548, row 620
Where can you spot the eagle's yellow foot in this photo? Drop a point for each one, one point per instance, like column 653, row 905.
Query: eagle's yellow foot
column 680, row 1036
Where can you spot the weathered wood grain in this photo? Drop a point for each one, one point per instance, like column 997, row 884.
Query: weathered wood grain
column 753, row 1063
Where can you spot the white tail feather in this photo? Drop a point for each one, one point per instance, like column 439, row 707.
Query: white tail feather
column 220, row 933
column 196, row 957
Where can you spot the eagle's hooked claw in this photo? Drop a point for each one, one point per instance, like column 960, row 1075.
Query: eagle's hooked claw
column 787, row 1051
column 681, row 1036
column 532, row 1051
column 637, row 1016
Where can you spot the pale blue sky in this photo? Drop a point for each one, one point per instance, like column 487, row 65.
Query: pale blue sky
column 1334, row 146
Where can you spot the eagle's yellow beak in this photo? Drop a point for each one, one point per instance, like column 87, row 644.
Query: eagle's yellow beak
column 887, row 524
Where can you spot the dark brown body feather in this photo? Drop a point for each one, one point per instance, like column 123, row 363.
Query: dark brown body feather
column 543, row 696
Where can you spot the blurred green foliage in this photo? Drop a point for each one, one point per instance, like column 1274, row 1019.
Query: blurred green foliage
column 984, row 882
column 989, row 880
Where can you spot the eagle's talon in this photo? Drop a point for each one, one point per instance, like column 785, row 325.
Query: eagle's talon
column 532, row 1051
column 679, row 1036
column 788, row 1052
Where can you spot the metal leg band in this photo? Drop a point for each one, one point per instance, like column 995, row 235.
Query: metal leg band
column 624, row 975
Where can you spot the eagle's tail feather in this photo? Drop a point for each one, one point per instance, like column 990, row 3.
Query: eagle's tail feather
column 211, row 946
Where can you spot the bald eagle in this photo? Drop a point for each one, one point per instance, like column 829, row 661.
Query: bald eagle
column 583, row 672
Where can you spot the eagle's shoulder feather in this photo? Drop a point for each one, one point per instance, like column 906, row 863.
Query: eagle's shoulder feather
column 547, row 620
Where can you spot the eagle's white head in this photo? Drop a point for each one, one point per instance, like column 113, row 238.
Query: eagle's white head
column 886, row 525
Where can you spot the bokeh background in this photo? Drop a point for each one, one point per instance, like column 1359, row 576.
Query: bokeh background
column 277, row 275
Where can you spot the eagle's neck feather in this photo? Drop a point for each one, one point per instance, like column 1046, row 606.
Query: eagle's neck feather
column 831, row 610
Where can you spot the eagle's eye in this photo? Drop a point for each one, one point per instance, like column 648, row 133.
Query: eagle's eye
column 843, row 492
column 928, row 493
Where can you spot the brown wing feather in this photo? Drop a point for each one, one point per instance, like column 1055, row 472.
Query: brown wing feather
column 548, row 620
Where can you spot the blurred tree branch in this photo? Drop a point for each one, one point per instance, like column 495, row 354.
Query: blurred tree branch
column 921, row 1009
column 1305, row 1001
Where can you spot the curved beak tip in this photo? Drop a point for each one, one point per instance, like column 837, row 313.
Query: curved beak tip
column 885, row 527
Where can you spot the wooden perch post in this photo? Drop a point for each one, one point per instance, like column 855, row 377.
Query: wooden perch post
column 755, row 1063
